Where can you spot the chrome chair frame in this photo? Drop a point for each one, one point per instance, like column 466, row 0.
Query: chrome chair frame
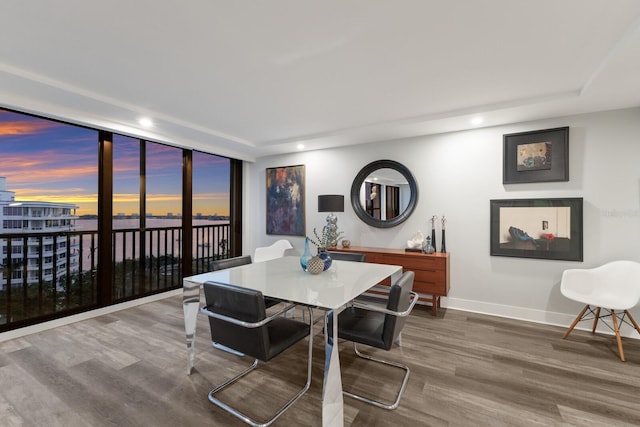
column 405, row 368
column 254, row 365
column 223, row 264
column 348, row 256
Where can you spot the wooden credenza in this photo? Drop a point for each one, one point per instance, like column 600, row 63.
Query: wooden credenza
column 431, row 270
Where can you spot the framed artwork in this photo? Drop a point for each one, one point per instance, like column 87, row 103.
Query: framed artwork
column 286, row 200
column 537, row 228
column 536, row 156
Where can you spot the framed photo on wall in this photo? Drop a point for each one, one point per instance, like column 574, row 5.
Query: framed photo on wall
column 537, row 228
column 536, row 156
column 286, row 200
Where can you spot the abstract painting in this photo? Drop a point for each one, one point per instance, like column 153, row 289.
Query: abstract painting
column 286, row 200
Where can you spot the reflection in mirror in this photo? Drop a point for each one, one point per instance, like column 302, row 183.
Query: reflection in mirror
column 384, row 193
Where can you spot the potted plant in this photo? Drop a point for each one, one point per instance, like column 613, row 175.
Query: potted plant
column 328, row 239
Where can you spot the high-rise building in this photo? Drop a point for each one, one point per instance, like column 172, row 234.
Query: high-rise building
column 33, row 226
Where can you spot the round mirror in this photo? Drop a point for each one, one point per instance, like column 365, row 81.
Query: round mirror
column 384, row 193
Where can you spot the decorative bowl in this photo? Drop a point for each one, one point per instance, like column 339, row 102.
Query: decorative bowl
column 315, row 265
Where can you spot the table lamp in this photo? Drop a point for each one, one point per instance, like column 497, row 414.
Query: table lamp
column 331, row 203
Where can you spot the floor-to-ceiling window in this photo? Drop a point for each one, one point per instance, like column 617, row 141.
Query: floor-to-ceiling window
column 48, row 192
column 211, row 209
column 126, row 241
column 54, row 178
column 164, row 214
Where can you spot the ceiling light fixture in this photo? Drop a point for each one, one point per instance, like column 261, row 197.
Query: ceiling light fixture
column 476, row 121
column 145, row 122
column 300, row 146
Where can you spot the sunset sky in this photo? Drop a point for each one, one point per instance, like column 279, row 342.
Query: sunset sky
column 49, row 161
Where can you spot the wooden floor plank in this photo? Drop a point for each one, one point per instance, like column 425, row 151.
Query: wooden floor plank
column 128, row 369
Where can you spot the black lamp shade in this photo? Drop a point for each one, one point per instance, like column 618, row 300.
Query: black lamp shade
column 331, row 203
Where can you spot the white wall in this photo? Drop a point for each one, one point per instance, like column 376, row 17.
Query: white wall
column 458, row 173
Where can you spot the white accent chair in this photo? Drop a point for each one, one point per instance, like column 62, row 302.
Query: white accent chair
column 276, row 250
column 613, row 287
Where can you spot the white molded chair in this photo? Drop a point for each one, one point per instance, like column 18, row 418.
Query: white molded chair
column 276, row 250
column 614, row 287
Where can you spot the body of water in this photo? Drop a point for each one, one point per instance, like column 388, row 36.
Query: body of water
column 124, row 223
column 158, row 243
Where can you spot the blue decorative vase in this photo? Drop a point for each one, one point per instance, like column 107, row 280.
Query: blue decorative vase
column 306, row 255
column 324, row 255
column 428, row 249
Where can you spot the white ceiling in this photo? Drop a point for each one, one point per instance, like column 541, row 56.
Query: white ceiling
column 253, row 78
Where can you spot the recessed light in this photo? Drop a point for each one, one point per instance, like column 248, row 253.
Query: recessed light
column 146, row 122
column 300, row 146
column 477, row 120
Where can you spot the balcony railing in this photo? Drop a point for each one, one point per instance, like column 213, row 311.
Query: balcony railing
column 33, row 286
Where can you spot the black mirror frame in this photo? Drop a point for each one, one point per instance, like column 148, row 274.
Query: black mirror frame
column 359, row 180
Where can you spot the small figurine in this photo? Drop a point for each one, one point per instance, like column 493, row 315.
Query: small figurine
column 416, row 242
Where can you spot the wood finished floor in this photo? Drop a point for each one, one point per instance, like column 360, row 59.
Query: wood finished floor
column 128, row 369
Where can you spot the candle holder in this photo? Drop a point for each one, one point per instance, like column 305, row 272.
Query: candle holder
column 444, row 246
column 433, row 232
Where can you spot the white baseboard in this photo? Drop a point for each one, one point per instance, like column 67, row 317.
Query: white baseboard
column 27, row 330
column 530, row 315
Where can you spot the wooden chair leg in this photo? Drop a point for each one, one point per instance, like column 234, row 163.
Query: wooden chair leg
column 575, row 322
column 633, row 321
column 595, row 321
column 614, row 320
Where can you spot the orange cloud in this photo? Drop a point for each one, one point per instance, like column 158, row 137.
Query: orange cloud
column 164, row 197
column 39, row 193
column 16, row 174
column 125, row 197
column 120, row 167
column 210, row 196
column 76, row 199
column 25, row 127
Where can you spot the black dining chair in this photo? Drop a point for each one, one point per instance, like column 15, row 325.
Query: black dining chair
column 238, row 320
column 376, row 295
column 348, row 256
column 380, row 327
column 222, row 264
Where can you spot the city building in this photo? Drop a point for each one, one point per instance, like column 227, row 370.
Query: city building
column 50, row 254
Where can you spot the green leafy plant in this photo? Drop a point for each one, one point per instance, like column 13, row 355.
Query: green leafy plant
column 326, row 239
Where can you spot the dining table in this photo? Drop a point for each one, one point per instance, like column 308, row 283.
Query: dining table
column 284, row 279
